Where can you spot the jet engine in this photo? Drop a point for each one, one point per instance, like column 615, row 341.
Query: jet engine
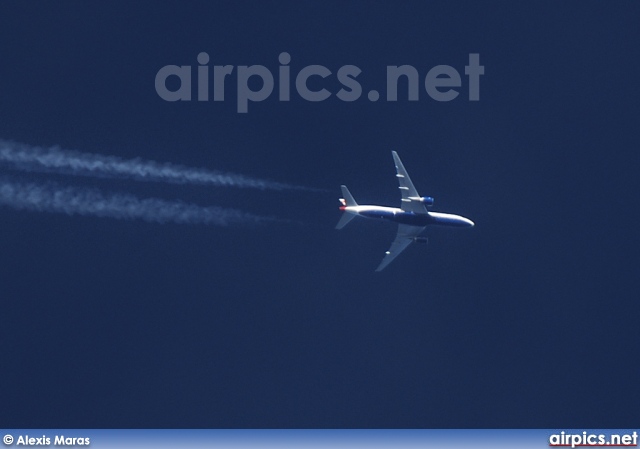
column 427, row 200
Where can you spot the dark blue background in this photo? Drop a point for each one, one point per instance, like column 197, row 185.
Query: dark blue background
column 530, row 319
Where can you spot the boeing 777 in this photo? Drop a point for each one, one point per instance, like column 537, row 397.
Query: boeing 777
column 412, row 216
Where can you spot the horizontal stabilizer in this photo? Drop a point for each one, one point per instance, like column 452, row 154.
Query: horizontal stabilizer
column 345, row 219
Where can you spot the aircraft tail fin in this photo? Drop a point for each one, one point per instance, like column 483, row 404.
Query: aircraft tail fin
column 348, row 198
column 347, row 201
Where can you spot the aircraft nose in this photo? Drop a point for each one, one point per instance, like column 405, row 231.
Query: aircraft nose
column 470, row 223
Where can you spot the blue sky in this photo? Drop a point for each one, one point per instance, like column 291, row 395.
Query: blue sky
column 526, row 320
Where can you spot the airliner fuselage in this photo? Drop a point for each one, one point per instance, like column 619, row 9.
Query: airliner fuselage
column 412, row 217
column 397, row 215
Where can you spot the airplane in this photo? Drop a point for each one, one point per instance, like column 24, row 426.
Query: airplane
column 412, row 216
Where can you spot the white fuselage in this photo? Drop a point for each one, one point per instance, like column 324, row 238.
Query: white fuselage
column 397, row 215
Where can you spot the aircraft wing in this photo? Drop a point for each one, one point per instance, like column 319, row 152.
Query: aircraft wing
column 404, row 238
column 407, row 189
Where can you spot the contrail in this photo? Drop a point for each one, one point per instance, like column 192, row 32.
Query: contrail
column 84, row 201
column 37, row 159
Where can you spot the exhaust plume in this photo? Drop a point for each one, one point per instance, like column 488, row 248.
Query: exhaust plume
column 50, row 197
column 56, row 160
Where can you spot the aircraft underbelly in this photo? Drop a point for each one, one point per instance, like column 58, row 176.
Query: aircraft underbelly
column 412, row 219
column 450, row 220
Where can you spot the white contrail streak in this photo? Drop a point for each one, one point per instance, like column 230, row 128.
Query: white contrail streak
column 37, row 159
column 84, row 201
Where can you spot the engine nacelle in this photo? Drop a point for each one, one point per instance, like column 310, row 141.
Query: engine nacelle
column 427, row 200
column 421, row 239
